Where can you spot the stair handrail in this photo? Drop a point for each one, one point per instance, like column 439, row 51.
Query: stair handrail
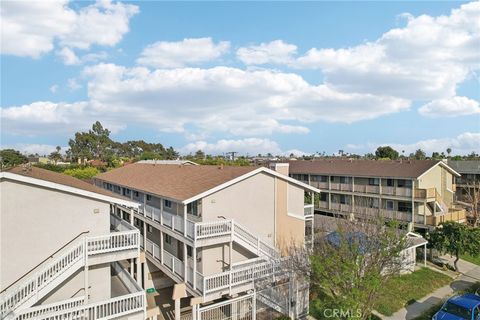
column 45, row 260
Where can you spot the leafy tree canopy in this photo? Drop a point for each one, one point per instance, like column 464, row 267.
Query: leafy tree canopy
column 11, row 158
column 386, row 152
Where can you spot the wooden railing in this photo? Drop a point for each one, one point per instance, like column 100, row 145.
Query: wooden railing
column 453, row 215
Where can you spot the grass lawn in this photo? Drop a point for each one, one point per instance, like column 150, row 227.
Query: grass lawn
column 406, row 289
column 472, row 259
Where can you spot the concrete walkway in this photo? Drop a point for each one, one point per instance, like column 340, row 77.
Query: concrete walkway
column 470, row 275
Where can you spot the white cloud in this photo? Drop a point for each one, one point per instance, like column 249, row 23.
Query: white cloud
column 68, row 56
column 178, row 54
column 464, row 143
column 274, row 52
column 38, row 25
column 426, row 59
column 73, row 85
column 53, row 88
column 31, row 148
column 220, row 99
column 452, row 107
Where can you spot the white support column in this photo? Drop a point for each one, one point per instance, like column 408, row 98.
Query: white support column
column 413, row 206
column 139, row 271
column 194, row 256
column 161, row 247
column 161, row 211
column 185, row 220
column 425, row 255
column 185, row 262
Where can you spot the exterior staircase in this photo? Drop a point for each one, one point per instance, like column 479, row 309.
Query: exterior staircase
column 46, row 277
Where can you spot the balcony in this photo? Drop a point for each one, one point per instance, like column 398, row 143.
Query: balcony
column 397, row 191
column 240, row 278
column 452, row 215
column 308, row 211
column 366, row 188
column 428, row 193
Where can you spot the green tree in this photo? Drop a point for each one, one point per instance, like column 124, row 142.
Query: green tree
column 386, row 152
column 348, row 267
column 420, row 155
column 11, row 158
column 94, row 144
column 199, row 154
column 456, row 239
column 55, row 156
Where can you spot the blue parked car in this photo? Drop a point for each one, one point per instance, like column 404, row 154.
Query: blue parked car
column 466, row 307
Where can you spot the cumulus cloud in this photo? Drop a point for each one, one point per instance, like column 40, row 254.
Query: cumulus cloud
column 32, row 148
column 220, row 99
column 464, row 143
column 250, row 146
column 164, row 54
column 40, row 25
column 426, row 59
column 274, row 52
column 68, row 56
column 452, row 107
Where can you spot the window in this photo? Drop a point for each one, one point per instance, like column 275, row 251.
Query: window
column 389, row 182
column 126, row 192
column 193, row 208
column 389, row 205
column 323, row 196
column 149, row 228
column 149, row 197
column 373, row 181
column 167, row 203
column 402, row 183
column 405, row 206
column 189, row 251
column 135, row 193
column 343, row 199
column 344, row 179
column 168, row 239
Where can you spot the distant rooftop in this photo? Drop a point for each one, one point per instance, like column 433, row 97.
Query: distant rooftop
column 365, row 168
column 178, row 162
column 465, row 166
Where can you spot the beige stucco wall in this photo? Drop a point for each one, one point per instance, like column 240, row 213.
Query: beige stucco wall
column 35, row 222
column 216, row 258
column 251, row 202
column 99, row 282
column 442, row 180
column 290, row 230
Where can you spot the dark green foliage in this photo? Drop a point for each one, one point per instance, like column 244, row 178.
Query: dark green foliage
column 456, row 239
column 11, row 158
column 386, row 152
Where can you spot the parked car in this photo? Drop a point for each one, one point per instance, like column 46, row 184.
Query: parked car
column 466, row 307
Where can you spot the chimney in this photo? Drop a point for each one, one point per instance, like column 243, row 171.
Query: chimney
column 282, row 168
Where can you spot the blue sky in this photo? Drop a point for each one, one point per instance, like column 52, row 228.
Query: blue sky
column 252, row 77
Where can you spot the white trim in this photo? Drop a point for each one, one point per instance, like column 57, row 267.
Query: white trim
column 446, row 166
column 61, row 187
column 248, row 175
column 293, row 215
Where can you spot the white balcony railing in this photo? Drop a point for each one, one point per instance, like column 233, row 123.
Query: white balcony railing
column 308, row 211
column 50, row 275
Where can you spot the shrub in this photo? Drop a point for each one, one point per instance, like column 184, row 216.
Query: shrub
column 82, row 173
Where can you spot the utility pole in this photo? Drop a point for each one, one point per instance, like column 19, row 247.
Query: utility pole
column 231, row 155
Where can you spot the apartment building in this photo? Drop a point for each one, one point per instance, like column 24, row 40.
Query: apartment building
column 470, row 175
column 62, row 254
column 417, row 192
column 217, row 235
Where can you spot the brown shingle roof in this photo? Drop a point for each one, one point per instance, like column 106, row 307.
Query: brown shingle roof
column 172, row 181
column 364, row 168
column 60, row 178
